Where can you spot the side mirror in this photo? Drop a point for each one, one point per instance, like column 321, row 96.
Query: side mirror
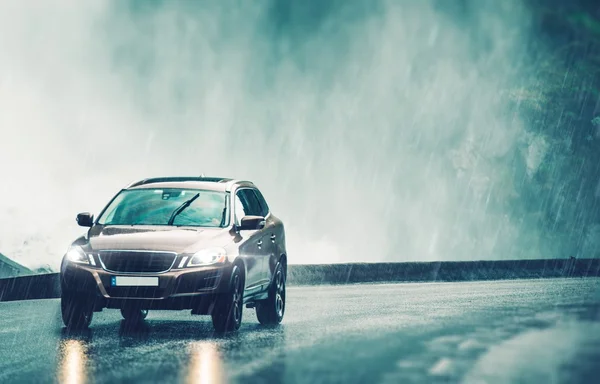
column 251, row 223
column 85, row 219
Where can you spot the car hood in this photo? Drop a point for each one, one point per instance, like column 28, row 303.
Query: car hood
column 153, row 238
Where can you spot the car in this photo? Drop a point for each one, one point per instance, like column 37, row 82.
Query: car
column 206, row 244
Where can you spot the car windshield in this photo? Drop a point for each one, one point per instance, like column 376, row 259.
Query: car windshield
column 179, row 207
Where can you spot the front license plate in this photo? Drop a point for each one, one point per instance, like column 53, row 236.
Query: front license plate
column 133, row 281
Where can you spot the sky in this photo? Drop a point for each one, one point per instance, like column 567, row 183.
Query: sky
column 376, row 130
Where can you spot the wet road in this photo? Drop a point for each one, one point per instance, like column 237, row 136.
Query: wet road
column 544, row 331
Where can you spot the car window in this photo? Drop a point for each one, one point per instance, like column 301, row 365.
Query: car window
column 246, row 204
column 263, row 204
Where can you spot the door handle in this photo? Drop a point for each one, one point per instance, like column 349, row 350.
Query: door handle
column 273, row 237
column 259, row 243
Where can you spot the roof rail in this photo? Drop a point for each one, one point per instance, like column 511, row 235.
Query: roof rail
column 173, row 179
column 232, row 182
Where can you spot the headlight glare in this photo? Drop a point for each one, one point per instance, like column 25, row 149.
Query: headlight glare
column 76, row 255
column 208, row 257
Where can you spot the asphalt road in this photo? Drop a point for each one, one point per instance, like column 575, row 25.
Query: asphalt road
column 534, row 331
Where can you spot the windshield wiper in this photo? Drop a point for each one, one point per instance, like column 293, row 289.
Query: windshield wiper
column 181, row 208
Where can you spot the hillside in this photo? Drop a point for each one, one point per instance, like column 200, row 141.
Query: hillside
column 9, row 268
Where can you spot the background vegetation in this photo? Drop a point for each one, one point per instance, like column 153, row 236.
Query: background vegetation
column 561, row 107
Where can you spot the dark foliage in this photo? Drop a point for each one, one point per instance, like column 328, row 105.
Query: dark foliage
column 562, row 104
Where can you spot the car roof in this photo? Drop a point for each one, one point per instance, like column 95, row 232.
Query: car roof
column 219, row 184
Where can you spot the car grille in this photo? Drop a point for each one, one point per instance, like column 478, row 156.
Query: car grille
column 137, row 261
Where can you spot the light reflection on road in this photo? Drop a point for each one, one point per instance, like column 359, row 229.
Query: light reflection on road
column 205, row 364
column 72, row 361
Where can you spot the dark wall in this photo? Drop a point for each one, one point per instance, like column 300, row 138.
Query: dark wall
column 47, row 285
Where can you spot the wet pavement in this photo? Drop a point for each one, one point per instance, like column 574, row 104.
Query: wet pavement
column 545, row 331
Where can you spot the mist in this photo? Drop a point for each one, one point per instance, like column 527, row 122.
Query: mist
column 377, row 131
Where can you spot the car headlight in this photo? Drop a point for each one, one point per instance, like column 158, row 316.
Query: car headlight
column 207, row 257
column 76, row 255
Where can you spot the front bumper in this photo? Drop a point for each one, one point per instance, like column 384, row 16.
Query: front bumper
column 187, row 288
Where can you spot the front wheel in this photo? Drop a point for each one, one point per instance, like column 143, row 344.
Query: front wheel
column 271, row 310
column 77, row 313
column 227, row 313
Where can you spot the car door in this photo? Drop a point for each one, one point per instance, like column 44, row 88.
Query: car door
column 272, row 237
column 256, row 247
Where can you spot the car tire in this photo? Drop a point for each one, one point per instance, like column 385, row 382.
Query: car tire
column 134, row 315
column 271, row 310
column 77, row 313
column 227, row 312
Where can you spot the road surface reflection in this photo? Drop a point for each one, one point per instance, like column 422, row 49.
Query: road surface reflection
column 73, row 359
column 205, row 364
column 169, row 351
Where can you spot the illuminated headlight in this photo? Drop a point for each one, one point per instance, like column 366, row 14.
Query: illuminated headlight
column 76, row 255
column 207, row 257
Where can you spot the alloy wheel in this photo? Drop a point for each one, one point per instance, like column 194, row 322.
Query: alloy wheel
column 279, row 293
column 237, row 299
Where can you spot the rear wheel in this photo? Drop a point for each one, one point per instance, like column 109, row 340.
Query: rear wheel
column 133, row 314
column 271, row 310
column 227, row 313
column 77, row 313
